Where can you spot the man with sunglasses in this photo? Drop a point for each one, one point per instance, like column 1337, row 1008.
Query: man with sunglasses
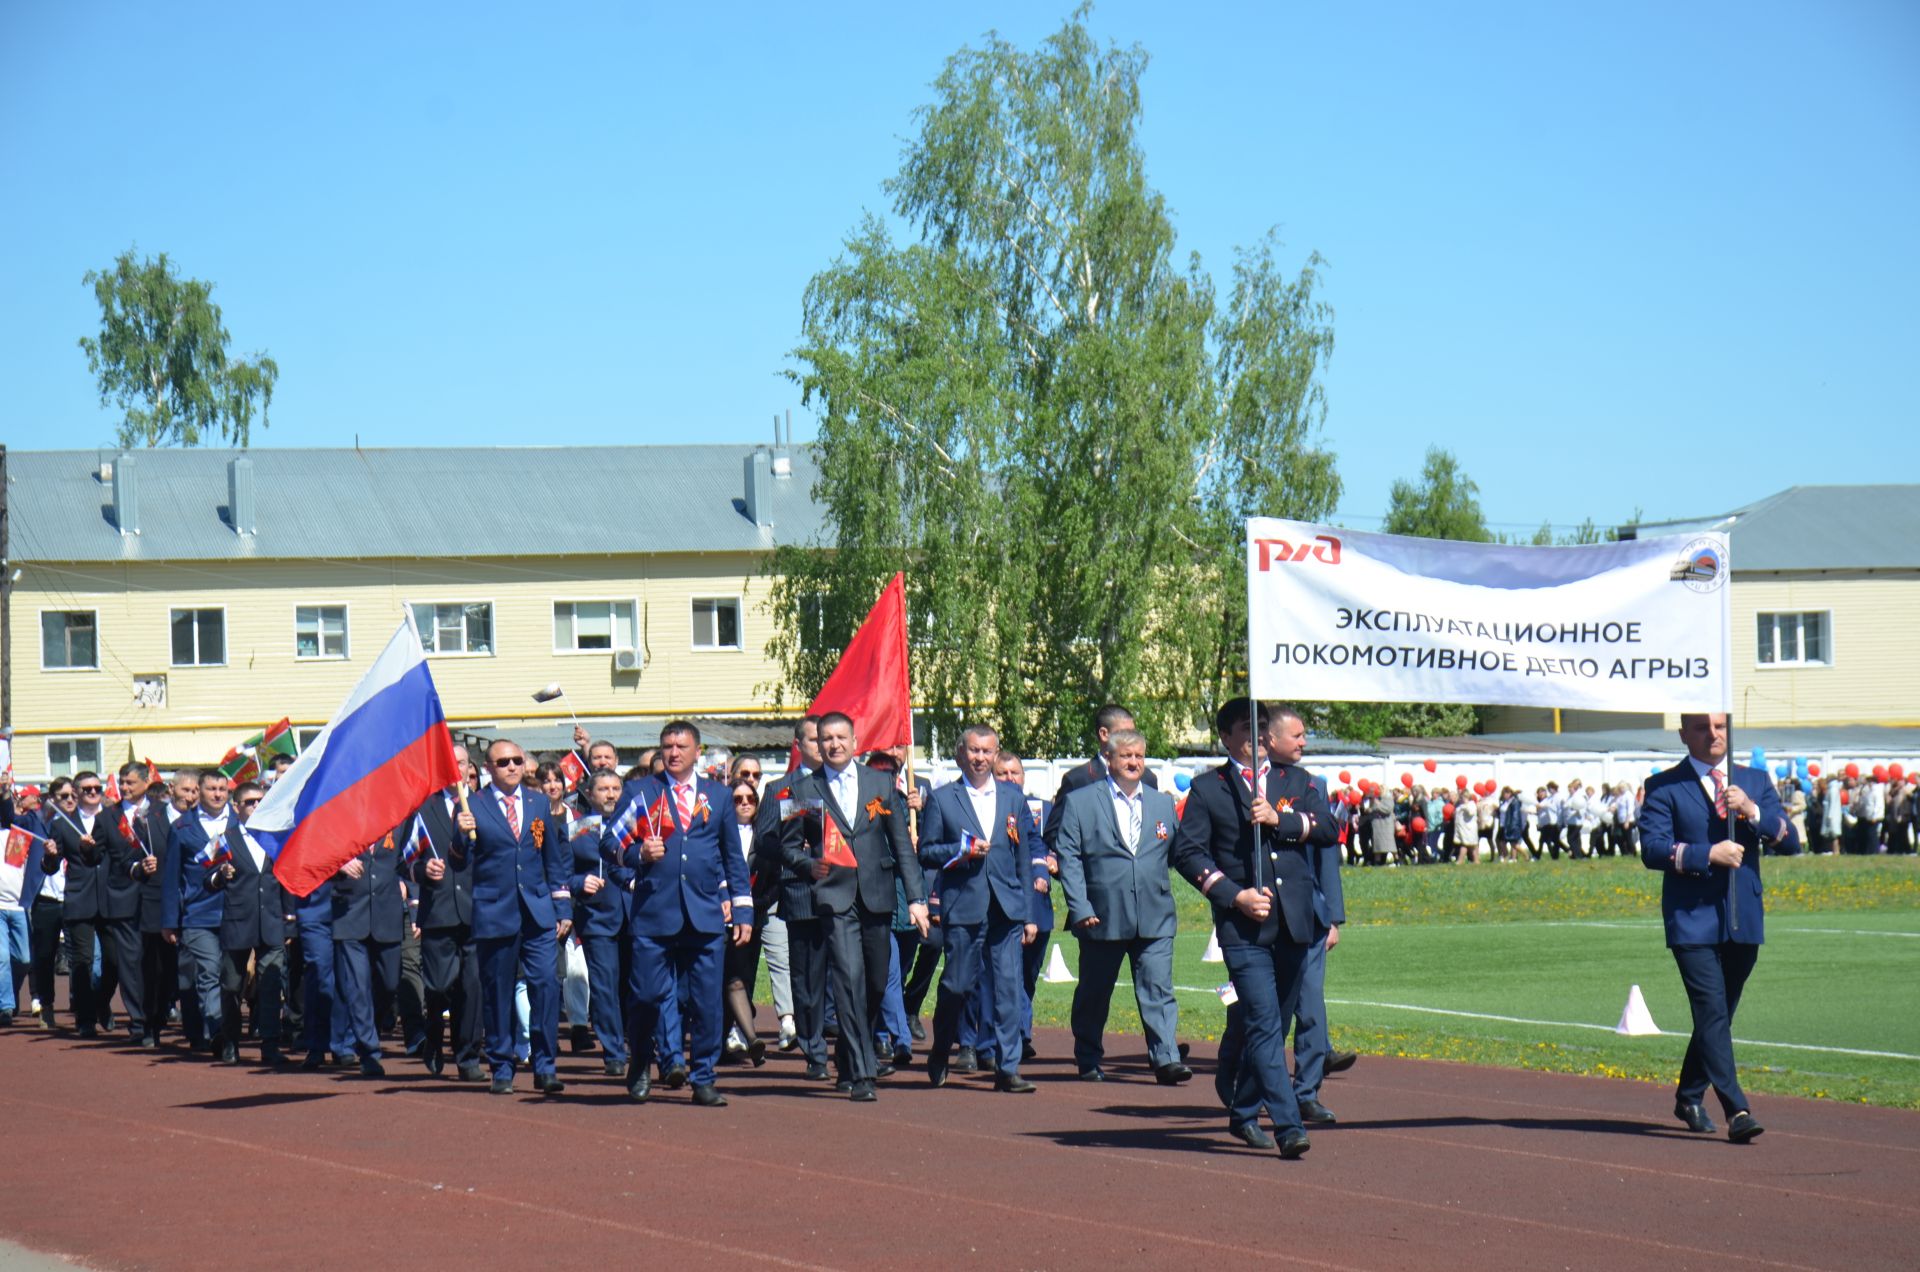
column 522, row 909
column 256, row 924
column 79, row 839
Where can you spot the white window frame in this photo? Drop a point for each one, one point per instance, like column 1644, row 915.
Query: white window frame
column 493, row 625
column 739, row 624
column 1801, row 663
column 560, row 651
column 225, row 633
column 41, row 639
column 346, row 635
column 99, row 751
column 304, row 736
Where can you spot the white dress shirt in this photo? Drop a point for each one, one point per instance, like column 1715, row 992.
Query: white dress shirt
column 1127, row 810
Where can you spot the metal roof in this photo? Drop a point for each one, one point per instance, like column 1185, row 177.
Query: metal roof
column 1815, row 528
column 416, row 502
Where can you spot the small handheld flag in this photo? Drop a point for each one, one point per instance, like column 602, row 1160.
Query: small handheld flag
column 19, row 843
column 835, row 850
column 418, row 842
column 215, row 854
column 573, row 769
column 967, row 840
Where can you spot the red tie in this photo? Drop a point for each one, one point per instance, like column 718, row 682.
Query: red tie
column 684, row 797
column 511, row 808
column 1719, row 792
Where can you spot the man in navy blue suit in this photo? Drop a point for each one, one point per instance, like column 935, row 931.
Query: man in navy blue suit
column 690, row 889
column 602, row 903
column 255, row 926
column 521, row 911
column 1703, row 828
column 193, row 910
column 369, row 914
column 449, row 964
column 1008, row 768
column 975, row 836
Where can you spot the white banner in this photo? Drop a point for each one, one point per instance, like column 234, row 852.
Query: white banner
column 1341, row 616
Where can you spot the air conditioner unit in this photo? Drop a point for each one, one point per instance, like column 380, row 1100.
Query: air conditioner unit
column 628, row 660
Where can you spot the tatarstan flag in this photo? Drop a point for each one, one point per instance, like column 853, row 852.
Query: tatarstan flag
column 278, row 740
column 239, row 765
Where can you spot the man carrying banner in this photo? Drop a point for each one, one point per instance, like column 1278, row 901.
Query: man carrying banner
column 1243, row 843
column 1703, row 826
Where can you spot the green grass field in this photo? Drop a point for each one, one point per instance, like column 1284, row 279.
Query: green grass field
column 1538, row 960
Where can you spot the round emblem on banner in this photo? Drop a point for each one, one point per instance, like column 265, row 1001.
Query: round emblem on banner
column 1702, row 567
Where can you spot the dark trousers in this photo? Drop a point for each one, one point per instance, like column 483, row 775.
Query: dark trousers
column 535, row 948
column 159, row 981
column 1032, row 958
column 857, row 961
column 609, row 969
column 323, row 1021
column 450, row 973
column 1714, row 976
column 43, row 934
column 89, row 1000
column 919, row 962
column 270, row 980
column 1266, row 979
column 121, row 946
column 807, row 972
column 366, row 977
column 978, row 952
column 660, row 964
column 410, row 999
column 1311, row 1044
column 1150, row 959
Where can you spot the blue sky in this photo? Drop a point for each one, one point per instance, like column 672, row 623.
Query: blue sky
column 1614, row 256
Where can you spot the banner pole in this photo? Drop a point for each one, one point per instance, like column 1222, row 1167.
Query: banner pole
column 1253, row 698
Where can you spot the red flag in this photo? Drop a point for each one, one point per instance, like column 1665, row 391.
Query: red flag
column 112, row 794
column 835, row 850
column 19, row 843
column 153, row 771
column 870, row 684
column 574, row 771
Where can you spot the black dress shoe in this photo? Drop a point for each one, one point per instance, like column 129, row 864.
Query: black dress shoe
column 1250, row 1134
column 1013, row 1083
column 1184, row 1048
column 1341, row 1061
column 1695, row 1116
column 843, row 1085
column 228, row 1053
column 580, row 1040
column 1027, row 1052
column 272, row 1056
column 757, row 1052
column 149, row 1043
column 640, row 1089
column 966, row 1060
column 371, row 1068
column 1314, row 1113
column 548, row 1083
column 1095, row 1074
column 501, row 1086
column 902, row 1057
column 435, row 1060
column 862, row 1092
column 1294, row 1144
column 613, row 1068
column 918, row 1030
column 675, row 1078
column 472, row 1073
column 816, row 1072
column 1741, row 1127
column 884, row 1069
column 313, row 1062
column 709, row 1097
column 1172, row 1074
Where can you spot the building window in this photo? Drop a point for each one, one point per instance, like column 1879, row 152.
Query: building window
column 199, row 637
column 1796, row 640
column 459, row 628
column 320, row 631
column 588, row 626
column 69, row 640
column 67, row 756
column 304, row 737
column 716, row 622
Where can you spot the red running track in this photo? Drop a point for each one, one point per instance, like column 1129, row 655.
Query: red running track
column 119, row 1158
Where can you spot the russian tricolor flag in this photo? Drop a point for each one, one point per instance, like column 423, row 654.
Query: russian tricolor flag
column 378, row 759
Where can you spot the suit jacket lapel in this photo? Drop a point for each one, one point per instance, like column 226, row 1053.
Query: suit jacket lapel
column 966, row 804
column 829, row 805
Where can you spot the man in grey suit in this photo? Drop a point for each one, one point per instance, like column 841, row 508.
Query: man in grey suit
column 1112, row 847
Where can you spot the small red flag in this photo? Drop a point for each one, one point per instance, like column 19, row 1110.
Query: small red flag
column 835, row 850
column 19, row 843
column 112, row 794
column 574, row 771
column 870, row 684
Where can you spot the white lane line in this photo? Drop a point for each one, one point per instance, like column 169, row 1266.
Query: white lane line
column 1560, row 1024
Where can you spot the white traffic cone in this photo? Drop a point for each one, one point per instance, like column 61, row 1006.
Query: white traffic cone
column 1056, row 973
column 1213, row 954
column 1635, row 1020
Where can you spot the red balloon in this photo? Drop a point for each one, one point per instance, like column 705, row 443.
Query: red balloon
column 1813, row 770
column 1429, row 765
column 1895, row 772
column 1879, row 772
column 1846, row 796
column 1853, row 771
column 1346, row 778
column 1446, row 810
column 1460, row 782
column 1419, row 825
column 1406, row 780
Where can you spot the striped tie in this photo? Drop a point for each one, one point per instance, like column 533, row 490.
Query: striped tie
column 1719, row 792
column 511, row 807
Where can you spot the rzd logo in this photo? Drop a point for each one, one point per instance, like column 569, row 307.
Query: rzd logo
column 1323, row 547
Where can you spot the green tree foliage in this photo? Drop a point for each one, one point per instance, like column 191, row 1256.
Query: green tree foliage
column 1444, row 504
column 161, row 356
column 1055, row 427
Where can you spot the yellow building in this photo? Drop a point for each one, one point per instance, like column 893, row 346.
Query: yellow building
column 1825, row 607
column 169, row 603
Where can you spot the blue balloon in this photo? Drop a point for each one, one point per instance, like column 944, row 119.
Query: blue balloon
column 1800, row 765
column 1655, row 770
column 1759, row 757
column 1183, row 780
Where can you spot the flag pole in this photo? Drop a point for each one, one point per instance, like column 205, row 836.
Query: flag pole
column 913, row 814
column 1253, row 700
